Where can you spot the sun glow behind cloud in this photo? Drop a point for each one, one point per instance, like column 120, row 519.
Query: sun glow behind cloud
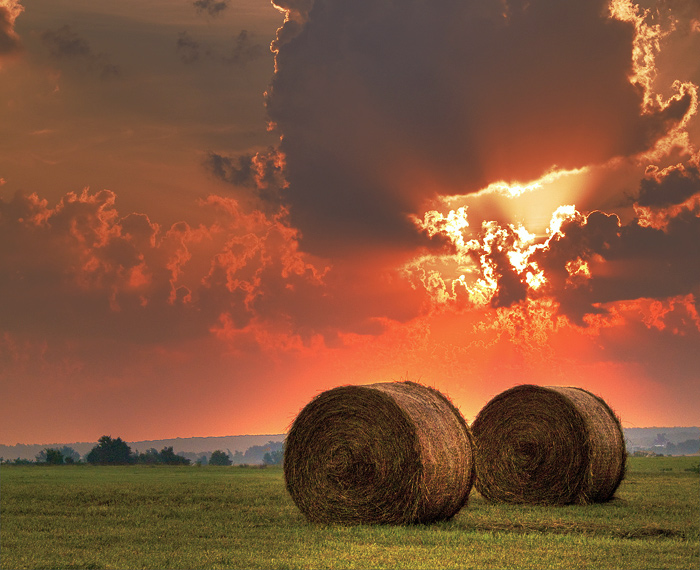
column 514, row 190
column 479, row 259
column 497, row 264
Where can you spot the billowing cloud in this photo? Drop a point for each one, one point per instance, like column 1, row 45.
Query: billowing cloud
column 382, row 108
column 107, row 274
column 81, row 270
column 671, row 186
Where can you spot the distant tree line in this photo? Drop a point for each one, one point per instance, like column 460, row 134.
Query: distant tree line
column 110, row 451
column 273, row 457
column 271, row 453
column 115, row 451
column 220, row 458
column 665, row 447
column 688, row 447
column 269, row 457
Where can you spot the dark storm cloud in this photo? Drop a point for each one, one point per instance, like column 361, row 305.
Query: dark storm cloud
column 649, row 262
column 678, row 184
column 65, row 44
column 583, row 239
column 630, row 261
column 213, row 8
column 383, row 105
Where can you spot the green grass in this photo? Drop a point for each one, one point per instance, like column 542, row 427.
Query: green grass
column 229, row 517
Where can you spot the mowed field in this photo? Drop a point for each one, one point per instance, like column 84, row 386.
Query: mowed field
column 233, row 517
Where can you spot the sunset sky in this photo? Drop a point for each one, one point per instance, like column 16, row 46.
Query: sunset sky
column 213, row 210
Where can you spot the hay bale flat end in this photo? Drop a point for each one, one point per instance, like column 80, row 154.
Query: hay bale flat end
column 548, row 445
column 395, row 452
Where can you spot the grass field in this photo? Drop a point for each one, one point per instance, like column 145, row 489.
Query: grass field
column 232, row 517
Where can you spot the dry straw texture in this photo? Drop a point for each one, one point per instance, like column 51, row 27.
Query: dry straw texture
column 548, row 445
column 394, row 452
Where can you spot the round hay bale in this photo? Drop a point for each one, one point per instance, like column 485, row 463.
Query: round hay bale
column 395, row 452
column 548, row 445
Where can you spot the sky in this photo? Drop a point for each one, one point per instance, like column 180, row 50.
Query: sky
column 213, row 210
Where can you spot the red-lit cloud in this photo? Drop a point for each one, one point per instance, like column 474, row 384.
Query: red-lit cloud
column 81, row 269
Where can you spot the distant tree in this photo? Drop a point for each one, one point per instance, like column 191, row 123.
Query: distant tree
column 219, row 457
column 273, row 457
column 70, row 455
column 168, row 457
column 149, row 457
column 661, row 439
column 191, row 455
column 50, row 456
column 20, row 461
column 110, row 451
column 688, row 447
column 165, row 456
column 256, row 453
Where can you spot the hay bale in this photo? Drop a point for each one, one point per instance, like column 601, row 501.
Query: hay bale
column 548, row 445
column 394, row 452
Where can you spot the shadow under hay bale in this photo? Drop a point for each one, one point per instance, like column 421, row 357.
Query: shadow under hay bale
column 395, row 452
column 548, row 445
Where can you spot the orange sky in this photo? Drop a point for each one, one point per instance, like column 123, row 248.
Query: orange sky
column 199, row 233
